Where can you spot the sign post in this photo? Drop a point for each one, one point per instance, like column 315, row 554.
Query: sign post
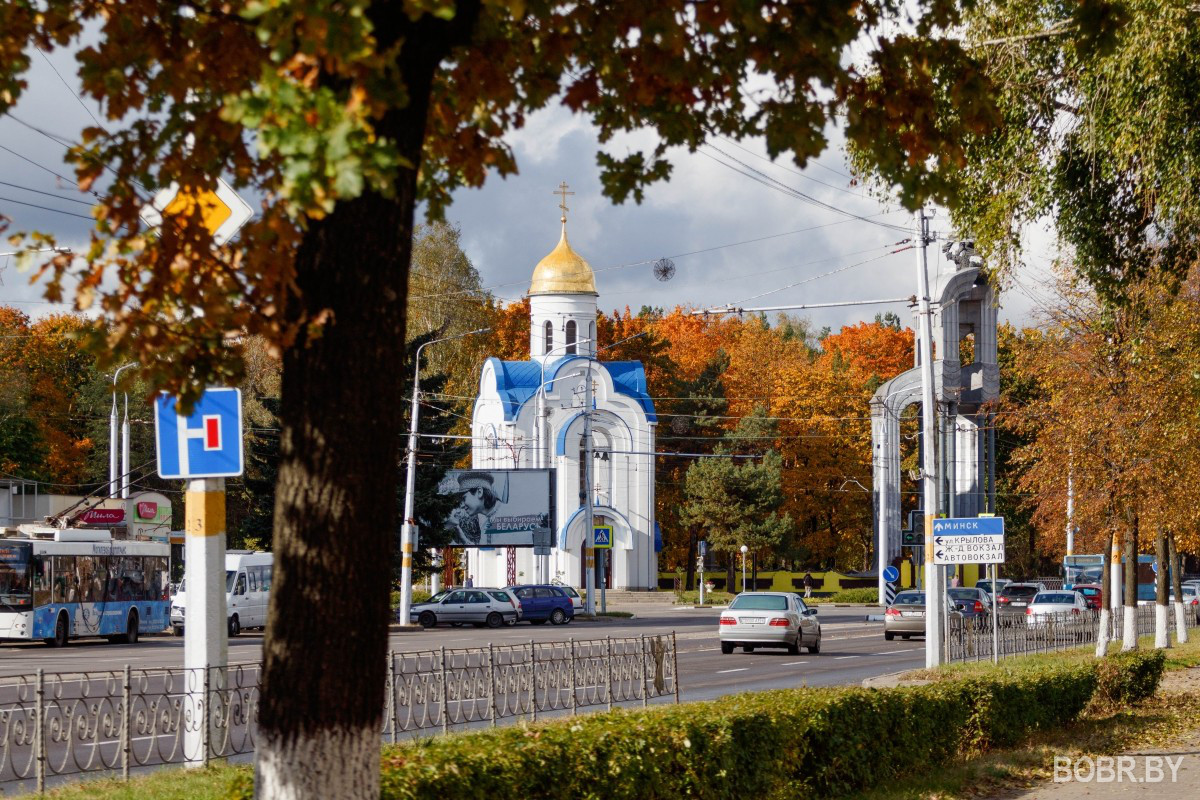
column 202, row 448
column 701, row 547
column 602, row 539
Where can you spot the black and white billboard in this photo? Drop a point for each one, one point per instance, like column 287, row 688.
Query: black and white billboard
column 501, row 507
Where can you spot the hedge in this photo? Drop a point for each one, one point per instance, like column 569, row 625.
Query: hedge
column 776, row 744
column 779, row 743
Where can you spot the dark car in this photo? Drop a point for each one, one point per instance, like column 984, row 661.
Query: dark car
column 1093, row 594
column 1016, row 597
column 544, row 602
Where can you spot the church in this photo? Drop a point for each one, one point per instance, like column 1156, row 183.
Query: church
column 531, row 414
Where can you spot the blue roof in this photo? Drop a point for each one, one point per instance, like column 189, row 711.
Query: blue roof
column 517, row 381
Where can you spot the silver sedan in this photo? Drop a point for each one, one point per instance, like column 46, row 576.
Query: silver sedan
column 769, row 619
column 491, row 607
column 1046, row 606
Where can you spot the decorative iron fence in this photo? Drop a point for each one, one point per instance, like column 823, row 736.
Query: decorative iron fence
column 971, row 638
column 56, row 724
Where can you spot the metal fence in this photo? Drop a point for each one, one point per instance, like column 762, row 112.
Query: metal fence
column 971, row 638
column 58, row 724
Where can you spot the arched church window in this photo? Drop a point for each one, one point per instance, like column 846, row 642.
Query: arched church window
column 571, row 337
column 549, row 336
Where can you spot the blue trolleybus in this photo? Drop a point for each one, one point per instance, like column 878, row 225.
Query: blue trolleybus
column 57, row 585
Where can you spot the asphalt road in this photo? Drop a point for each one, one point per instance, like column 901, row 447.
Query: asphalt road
column 852, row 649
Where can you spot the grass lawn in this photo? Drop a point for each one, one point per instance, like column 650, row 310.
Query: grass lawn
column 171, row 783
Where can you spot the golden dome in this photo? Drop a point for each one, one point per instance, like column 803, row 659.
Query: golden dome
column 563, row 271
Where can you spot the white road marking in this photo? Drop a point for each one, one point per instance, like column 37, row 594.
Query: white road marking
column 794, row 663
column 703, row 650
column 739, row 669
column 893, row 652
column 839, row 658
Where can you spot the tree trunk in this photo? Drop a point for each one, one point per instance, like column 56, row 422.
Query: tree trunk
column 1181, row 631
column 324, row 653
column 1162, row 638
column 1105, row 581
column 1129, row 636
column 692, row 560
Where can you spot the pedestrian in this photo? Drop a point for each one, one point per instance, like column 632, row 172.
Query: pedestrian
column 808, row 584
column 470, row 582
column 954, row 582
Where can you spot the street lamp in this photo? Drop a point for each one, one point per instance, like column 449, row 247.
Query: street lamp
column 408, row 532
column 115, row 472
column 744, row 550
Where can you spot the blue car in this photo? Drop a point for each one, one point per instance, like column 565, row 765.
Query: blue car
column 542, row 602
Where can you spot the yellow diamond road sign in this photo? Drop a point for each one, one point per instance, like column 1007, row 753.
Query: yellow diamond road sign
column 223, row 211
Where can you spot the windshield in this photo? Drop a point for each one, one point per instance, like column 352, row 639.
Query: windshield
column 760, row 602
column 1019, row 591
column 964, row 594
column 910, row 599
column 14, row 573
column 1056, row 599
column 230, row 574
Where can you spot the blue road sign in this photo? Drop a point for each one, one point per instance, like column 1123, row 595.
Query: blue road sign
column 602, row 536
column 968, row 540
column 702, row 548
column 205, row 444
column 891, row 574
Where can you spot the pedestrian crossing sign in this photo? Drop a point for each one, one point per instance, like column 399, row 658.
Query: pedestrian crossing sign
column 602, row 536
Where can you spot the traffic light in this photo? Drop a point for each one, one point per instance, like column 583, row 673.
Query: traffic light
column 912, row 538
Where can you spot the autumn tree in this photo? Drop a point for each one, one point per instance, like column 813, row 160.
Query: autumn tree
column 343, row 117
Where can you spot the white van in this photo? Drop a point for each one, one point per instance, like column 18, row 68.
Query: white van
column 247, row 589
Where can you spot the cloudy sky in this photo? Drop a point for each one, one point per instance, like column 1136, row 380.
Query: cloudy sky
column 734, row 238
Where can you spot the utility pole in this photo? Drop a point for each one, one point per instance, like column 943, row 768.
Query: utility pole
column 115, row 481
column 408, row 527
column 934, row 591
column 589, row 536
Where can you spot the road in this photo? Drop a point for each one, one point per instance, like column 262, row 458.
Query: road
column 851, row 650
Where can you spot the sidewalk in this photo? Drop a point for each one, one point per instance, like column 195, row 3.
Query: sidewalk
column 1147, row 772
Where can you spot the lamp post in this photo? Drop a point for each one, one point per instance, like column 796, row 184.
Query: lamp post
column 408, row 531
column 118, row 479
column 745, row 549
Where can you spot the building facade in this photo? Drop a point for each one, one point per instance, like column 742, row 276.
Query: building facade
column 530, row 414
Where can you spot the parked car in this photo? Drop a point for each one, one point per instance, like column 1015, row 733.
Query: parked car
column 905, row 617
column 769, row 619
column 1191, row 599
column 974, row 602
column 1049, row 604
column 576, row 600
column 247, row 592
column 1016, row 596
column 544, row 602
column 491, row 607
column 986, row 585
column 1093, row 594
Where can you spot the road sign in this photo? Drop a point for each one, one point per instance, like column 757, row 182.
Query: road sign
column 602, row 536
column 205, row 444
column 968, row 540
column 891, row 574
column 702, row 548
column 223, row 211
column 889, row 593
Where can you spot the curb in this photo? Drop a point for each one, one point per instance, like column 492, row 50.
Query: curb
column 598, row 620
column 890, row 681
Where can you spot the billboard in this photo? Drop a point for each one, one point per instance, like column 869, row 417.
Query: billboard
column 500, row 507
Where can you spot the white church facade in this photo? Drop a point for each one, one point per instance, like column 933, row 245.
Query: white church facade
column 530, row 414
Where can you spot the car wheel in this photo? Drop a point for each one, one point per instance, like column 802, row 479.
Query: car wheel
column 537, row 622
column 726, row 647
column 61, row 633
column 558, row 617
column 427, row 619
column 747, row 648
column 131, row 629
column 815, row 647
column 177, row 630
column 794, row 648
column 889, row 636
column 235, row 626
column 494, row 620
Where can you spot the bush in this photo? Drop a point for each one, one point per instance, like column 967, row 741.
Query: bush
column 857, row 596
column 1131, row 677
column 783, row 742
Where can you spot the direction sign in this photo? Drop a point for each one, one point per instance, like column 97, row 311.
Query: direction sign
column 602, row 536
column 205, row 444
column 891, row 574
column 223, row 211
column 969, row 540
